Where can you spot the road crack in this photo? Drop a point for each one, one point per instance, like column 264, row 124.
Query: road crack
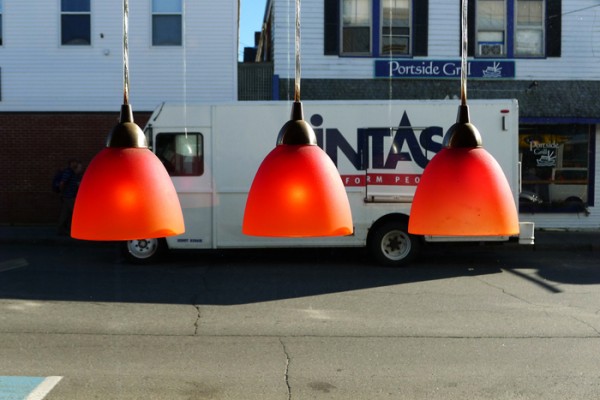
column 287, row 369
column 505, row 292
column 197, row 322
column 586, row 324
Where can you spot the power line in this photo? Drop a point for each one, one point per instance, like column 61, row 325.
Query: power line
column 573, row 11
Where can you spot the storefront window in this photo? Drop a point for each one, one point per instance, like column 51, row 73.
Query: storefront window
column 555, row 168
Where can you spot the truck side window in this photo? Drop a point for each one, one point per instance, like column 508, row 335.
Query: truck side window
column 182, row 154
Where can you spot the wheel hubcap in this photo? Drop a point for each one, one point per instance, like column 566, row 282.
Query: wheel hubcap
column 142, row 248
column 395, row 245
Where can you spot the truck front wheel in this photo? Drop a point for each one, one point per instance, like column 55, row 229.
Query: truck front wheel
column 391, row 244
column 143, row 251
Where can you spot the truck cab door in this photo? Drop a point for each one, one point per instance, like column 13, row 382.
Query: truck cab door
column 189, row 165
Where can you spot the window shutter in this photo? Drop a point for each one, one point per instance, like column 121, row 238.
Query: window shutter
column 553, row 28
column 470, row 30
column 331, row 40
column 421, row 27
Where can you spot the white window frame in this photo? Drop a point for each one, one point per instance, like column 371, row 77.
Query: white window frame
column 491, row 46
column 407, row 36
column 367, row 24
column 538, row 30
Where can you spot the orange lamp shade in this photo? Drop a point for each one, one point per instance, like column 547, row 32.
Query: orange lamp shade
column 297, row 192
column 126, row 194
column 463, row 192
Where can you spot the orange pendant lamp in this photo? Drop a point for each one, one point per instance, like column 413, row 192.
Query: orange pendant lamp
column 126, row 193
column 463, row 190
column 297, row 191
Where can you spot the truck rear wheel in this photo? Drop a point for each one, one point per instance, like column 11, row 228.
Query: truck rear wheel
column 391, row 244
column 143, row 251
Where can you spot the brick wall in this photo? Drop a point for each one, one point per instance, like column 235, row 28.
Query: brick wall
column 33, row 146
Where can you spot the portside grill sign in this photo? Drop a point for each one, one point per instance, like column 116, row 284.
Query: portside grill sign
column 478, row 69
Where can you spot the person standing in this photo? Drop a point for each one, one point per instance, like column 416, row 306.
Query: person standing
column 69, row 184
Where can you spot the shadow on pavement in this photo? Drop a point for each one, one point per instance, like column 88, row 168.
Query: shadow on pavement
column 248, row 276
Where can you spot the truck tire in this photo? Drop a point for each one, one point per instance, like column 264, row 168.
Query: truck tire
column 390, row 244
column 143, row 251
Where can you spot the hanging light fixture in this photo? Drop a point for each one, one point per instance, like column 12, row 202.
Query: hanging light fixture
column 297, row 190
column 463, row 190
column 126, row 193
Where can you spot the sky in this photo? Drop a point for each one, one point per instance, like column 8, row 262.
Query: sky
column 251, row 16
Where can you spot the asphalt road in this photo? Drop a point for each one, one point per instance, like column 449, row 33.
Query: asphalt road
column 461, row 323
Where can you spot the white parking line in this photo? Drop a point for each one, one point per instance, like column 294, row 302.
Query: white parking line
column 12, row 264
column 44, row 388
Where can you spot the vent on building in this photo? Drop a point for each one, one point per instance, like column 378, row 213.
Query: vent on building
column 255, row 81
column 491, row 49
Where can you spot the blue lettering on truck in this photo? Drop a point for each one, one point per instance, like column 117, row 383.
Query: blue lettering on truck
column 377, row 155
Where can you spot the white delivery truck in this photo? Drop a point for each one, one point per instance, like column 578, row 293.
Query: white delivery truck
column 212, row 153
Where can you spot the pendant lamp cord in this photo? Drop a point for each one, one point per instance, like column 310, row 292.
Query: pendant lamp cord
column 463, row 54
column 297, row 52
column 125, row 52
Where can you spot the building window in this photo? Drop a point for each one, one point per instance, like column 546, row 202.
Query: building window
column 182, row 154
column 491, row 28
column 376, row 28
column 529, row 28
column 556, row 165
column 167, row 18
column 75, row 20
column 356, row 27
column 395, row 27
column 515, row 28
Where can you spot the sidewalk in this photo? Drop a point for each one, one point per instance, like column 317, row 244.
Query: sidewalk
column 545, row 239
column 565, row 239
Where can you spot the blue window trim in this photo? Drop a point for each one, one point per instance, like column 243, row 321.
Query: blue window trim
column 510, row 28
column 376, row 27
